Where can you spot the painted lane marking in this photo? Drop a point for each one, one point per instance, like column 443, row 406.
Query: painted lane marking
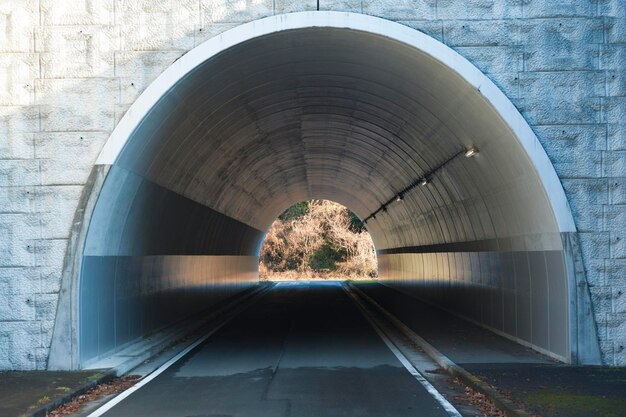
column 450, row 409
column 121, row 397
column 447, row 406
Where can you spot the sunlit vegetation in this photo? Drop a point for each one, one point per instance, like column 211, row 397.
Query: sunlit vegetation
column 317, row 239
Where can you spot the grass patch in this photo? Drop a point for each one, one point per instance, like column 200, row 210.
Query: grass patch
column 43, row 400
column 64, row 390
column 91, row 378
column 578, row 404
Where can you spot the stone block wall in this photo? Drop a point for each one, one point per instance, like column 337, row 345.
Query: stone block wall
column 69, row 70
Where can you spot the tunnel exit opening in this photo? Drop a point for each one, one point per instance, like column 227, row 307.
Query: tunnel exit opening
column 323, row 105
column 317, row 240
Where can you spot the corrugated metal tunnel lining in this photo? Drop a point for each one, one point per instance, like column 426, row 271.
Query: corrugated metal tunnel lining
column 323, row 113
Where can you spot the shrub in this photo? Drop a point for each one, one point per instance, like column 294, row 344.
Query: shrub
column 318, row 237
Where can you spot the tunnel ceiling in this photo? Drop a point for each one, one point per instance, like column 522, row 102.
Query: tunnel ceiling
column 347, row 116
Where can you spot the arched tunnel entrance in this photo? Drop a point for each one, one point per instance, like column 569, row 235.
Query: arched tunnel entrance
column 333, row 106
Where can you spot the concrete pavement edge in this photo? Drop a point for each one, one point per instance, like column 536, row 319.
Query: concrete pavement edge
column 506, row 405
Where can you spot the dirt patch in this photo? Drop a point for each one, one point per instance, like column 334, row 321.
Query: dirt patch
column 575, row 404
column 559, row 390
column 23, row 392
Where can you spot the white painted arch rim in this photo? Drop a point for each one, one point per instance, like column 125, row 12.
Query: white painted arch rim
column 363, row 23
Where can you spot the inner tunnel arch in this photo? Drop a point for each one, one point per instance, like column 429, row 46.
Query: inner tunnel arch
column 335, row 106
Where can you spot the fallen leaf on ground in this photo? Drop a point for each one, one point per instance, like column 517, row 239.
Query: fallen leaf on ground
column 114, row 386
column 480, row 401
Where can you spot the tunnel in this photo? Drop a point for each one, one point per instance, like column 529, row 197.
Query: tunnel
column 463, row 205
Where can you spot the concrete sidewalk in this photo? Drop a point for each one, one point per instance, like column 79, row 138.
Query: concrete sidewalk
column 536, row 382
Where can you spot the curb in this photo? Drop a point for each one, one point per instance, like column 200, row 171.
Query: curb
column 154, row 350
column 45, row 409
column 503, row 403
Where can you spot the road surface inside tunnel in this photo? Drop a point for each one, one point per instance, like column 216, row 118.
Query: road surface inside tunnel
column 304, row 349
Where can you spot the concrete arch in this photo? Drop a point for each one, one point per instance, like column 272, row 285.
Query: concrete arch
column 330, row 105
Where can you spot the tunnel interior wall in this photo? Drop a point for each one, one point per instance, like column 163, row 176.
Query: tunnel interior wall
column 518, row 294
column 152, row 258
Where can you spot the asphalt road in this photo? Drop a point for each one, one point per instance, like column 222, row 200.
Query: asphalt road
column 302, row 350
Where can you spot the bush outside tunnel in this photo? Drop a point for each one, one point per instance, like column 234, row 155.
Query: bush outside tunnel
column 340, row 107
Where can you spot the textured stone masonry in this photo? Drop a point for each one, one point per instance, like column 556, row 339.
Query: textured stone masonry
column 69, row 69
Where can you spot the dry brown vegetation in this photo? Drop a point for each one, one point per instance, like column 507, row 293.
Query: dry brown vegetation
column 317, row 239
column 112, row 387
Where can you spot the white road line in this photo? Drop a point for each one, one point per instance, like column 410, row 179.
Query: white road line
column 450, row 409
column 106, row 407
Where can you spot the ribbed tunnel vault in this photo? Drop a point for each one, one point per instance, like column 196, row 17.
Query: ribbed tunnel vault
column 349, row 114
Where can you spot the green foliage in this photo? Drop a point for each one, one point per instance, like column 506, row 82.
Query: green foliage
column 43, row 400
column 326, row 257
column 296, row 211
column 356, row 225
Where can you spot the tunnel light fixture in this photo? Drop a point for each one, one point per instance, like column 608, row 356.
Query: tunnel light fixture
column 422, row 182
column 472, row 151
